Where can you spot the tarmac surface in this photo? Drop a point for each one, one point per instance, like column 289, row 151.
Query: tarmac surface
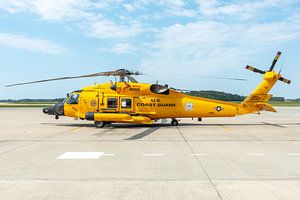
column 248, row 157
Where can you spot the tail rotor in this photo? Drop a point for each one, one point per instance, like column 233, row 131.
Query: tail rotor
column 275, row 61
column 253, row 69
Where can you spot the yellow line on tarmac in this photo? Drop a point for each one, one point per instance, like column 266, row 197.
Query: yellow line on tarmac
column 226, row 128
column 74, row 129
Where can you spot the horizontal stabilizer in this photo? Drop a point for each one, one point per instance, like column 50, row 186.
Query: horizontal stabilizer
column 266, row 107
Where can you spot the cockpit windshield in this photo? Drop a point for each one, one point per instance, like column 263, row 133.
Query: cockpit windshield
column 73, row 99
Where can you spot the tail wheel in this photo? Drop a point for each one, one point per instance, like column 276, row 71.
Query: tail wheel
column 99, row 124
column 174, row 122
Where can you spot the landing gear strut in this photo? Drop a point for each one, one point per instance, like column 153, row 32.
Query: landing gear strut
column 174, row 122
column 99, row 124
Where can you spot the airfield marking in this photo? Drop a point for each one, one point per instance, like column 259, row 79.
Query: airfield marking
column 97, row 155
column 154, row 154
column 198, row 154
column 80, row 155
column 255, row 154
column 108, row 154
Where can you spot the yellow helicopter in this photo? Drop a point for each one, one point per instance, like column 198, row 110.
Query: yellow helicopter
column 127, row 101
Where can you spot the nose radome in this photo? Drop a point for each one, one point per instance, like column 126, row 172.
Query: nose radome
column 49, row 110
column 45, row 110
column 57, row 109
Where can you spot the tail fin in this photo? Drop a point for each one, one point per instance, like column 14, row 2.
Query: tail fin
column 258, row 99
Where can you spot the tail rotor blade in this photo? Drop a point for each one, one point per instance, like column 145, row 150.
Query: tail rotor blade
column 254, row 69
column 285, row 80
column 275, row 60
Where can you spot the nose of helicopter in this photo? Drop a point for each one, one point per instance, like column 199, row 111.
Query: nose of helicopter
column 57, row 109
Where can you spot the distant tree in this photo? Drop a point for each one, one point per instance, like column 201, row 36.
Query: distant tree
column 277, row 99
column 216, row 95
column 223, row 96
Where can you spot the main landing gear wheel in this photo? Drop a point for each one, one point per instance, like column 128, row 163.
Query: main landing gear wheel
column 99, row 124
column 174, row 122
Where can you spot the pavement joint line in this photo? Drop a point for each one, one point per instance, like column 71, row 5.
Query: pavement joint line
column 200, row 164
column 255, row 154
column 276, row 125
column 294, row 154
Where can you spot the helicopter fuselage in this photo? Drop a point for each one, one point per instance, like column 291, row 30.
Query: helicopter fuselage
column 138, row 103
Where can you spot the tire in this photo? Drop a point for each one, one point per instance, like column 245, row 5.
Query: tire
column 174, row 122
column 99, row 124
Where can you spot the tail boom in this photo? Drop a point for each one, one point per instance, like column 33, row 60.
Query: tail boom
column 258, row 99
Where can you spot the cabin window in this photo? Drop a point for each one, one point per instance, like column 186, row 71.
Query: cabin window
column 126, row 103
column 73, row 99
column 112, row 102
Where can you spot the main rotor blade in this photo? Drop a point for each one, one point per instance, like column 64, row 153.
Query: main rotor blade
column 224, row 78
column 182, row 90
column 109, row 73
column 275, row 60
column 119, row 72
column 132, row 79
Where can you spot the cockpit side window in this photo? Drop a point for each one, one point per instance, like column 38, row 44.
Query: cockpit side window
column 73, row 99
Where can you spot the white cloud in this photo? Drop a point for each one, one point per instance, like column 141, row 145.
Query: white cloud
column 103, row 28
column 15, row 6
column 83, row 13
column 242, row 10
column 33, row 44
column 123, row 48
column 62, row 10
column 119, row 48
column 129, row 7
column 204, row 47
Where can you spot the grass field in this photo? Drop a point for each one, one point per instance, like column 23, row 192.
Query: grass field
column 288, row 104
column 25, row 104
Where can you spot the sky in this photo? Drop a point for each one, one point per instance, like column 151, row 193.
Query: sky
column 174, row 42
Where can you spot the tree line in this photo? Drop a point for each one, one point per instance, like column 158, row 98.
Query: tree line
column 224, row 96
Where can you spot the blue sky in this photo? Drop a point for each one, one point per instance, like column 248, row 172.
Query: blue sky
column 172, row 41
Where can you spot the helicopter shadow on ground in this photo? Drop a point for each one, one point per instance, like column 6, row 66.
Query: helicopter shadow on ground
column 154, row 127
column 117, row 125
